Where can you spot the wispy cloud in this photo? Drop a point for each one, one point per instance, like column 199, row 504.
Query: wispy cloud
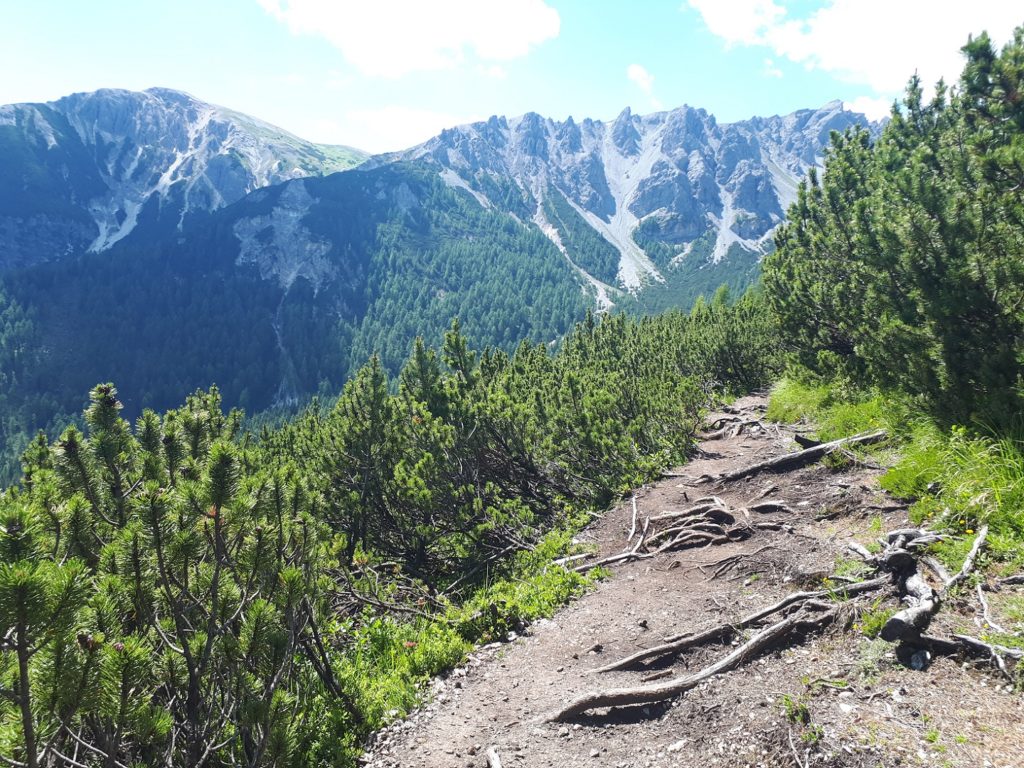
column 875, row 43
column 770, row 69
column 391, row 38
column 643, row 80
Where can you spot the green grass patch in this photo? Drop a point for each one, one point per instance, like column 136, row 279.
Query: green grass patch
column 961, row 482
column 958, row 480
column 873, row 619
column 389, row 661
column 836, row 410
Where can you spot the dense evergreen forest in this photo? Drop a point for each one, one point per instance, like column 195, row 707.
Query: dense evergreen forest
column 183, row 313
column 180, row 591
column 902, row 267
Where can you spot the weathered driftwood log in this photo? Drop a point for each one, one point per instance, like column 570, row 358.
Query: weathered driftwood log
column 909, row 623
column 493, row 761
column 923, row 602
column 802, row 458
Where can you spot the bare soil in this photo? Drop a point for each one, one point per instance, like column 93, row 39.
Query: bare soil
column 836, row 699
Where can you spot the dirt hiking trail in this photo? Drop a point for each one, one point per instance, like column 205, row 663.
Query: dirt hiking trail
column 830, row 698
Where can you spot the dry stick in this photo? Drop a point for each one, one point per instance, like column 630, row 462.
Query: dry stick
column 968, row 565
column 678, row 643
column 993, row 648
column 493, row 761
column 768, row 489
column 615, row 697
column 572, row 558
column 804, row 457
column 632, row 527
column 627, row 555
column 985, row 614
column 993, row 651
column 1018, row 579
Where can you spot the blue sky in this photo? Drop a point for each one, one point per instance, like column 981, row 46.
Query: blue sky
column 388, row 74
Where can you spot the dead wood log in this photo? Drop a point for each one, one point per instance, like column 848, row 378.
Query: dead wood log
column 936, row 567
column 909, row 623
column 650, row 694
column 802, row 458
column 493, row 761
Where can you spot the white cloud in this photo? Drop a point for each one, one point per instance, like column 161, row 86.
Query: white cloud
column 872, row 108
column 643, row 80
column 390, row 38
column 739, row 21
column 875, row 43
column 770, row 69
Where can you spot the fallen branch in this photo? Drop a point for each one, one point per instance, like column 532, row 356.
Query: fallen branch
column 802, row 458
column 572, row 558
column 969, row 561
column 632, row 526
column 986, row 616
column 766, row 638
column 493, row 761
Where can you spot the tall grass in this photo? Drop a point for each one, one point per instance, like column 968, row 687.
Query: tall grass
column 961, row 482
column 958, row 480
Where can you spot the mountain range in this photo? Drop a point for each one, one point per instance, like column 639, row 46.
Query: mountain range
column 166, row 244
column 81, row 173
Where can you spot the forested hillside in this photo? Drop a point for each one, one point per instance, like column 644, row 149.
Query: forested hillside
column 176, row 589
column 169, row 244
column 238, row 303
column 178, row 592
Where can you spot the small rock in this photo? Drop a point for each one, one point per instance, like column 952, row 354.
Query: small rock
column 677, row 745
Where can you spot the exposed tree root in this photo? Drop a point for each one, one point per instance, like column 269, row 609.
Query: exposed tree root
column 679, row 643
column 802, row 621
column 803, row 458
column 808, row 611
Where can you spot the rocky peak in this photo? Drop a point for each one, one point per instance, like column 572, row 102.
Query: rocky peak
column 97, row 164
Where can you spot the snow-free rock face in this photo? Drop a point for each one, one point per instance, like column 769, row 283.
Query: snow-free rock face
column 82, row 173
column 654, row 186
